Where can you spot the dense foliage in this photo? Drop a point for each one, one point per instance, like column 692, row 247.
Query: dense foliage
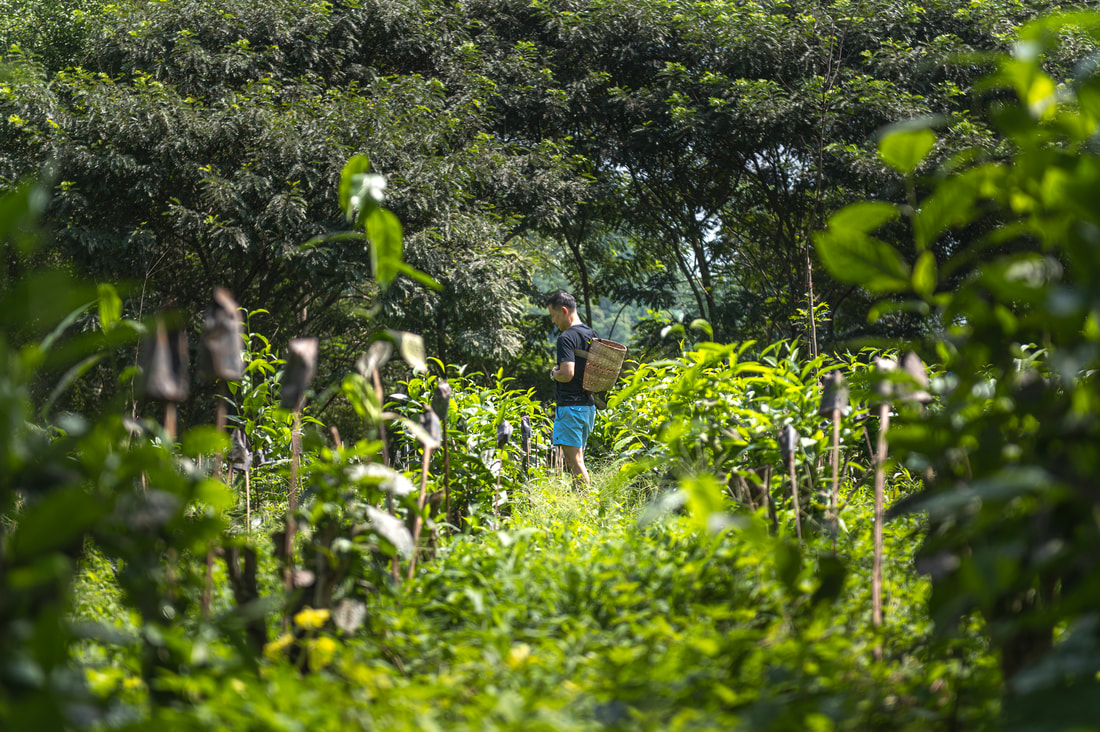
column 1010, row 500
column 667, row 154
column 425, row 567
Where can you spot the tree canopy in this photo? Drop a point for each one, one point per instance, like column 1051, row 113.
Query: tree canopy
column 661, row 153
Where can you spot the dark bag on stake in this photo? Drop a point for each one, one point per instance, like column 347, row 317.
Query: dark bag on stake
column 221, row 351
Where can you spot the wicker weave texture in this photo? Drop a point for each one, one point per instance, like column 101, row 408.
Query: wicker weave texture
column 605, row 358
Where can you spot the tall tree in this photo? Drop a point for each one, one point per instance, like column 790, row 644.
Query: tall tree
column 724, row 133
column 201, row 143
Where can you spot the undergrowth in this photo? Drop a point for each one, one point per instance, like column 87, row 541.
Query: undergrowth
column 590, row 610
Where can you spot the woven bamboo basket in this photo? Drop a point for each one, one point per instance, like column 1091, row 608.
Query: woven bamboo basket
column 605, row 359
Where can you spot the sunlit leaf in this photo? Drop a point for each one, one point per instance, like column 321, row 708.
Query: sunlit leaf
column 863, row 217
column 204, row 440
column 411, row 347
column 387, row 479
column 110, row 306
column 391, row 529
column 903, row 150
column 703, row 325
column 215, row 494
column 863, row 260
column 385, row 232
column 357, row 165
column 924, row 274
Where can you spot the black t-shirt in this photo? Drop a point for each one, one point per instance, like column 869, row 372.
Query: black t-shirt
column 571, row 393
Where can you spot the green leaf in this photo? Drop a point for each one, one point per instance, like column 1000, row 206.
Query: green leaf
column 362, row 398
column 417, row 276
column 863, row 217
column 924, row 274
column 357, row 165
column 216, row 494
column 55, row 522
column 204, row 440
column 704, row 500
column 887, row 307
column 703, row 325
column 385, row 234
column 904, row 149
column 110, row 306
column 853, row 257
column 411, row 347
column 19, row 207
column 831, row 573
column 788, row 564
column 952, row 204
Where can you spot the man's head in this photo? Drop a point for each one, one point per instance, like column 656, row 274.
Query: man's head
column 563, row 308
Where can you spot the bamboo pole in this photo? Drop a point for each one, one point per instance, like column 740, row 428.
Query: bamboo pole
column 247, row 502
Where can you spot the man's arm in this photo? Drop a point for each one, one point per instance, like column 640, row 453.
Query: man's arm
column 563, row 372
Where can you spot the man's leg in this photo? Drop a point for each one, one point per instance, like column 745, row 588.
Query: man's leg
column 572, row 425
column 574, row 463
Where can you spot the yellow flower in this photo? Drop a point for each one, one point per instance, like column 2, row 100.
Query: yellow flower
column 518, row 655
column 310, row 619
column 277, row 646
column 321, row 652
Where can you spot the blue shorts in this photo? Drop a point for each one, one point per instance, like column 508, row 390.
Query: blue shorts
column 573, row 425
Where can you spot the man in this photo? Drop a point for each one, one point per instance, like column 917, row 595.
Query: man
column 576, row 412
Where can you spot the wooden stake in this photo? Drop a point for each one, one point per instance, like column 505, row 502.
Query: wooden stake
column 292, row 498
column 420, row 501
column 794, row 498
column 395, row 569
column 496, row 497
column 220, row 419
column 247, row 502
column 446, row 475
column 834, row 511
column 170, row 421
column 880, row 484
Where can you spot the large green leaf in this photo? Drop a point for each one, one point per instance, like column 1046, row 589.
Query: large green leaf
column 384, row 230
column 863, row 217
column 110, row 306
column 924, row 274
column 54, row 523
column 951, row 204
column 358, row 165
column 903, row 150
column 863, row 260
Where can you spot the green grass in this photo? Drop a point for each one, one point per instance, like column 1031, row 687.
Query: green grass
column 580, row 615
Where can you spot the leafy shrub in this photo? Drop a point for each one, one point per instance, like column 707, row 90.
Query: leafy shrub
column 482, row 409
column 1011, row 450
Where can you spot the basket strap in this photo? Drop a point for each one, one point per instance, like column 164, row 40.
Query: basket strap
column 581, row 352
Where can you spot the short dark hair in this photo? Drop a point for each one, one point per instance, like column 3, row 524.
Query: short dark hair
column 562, row 299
